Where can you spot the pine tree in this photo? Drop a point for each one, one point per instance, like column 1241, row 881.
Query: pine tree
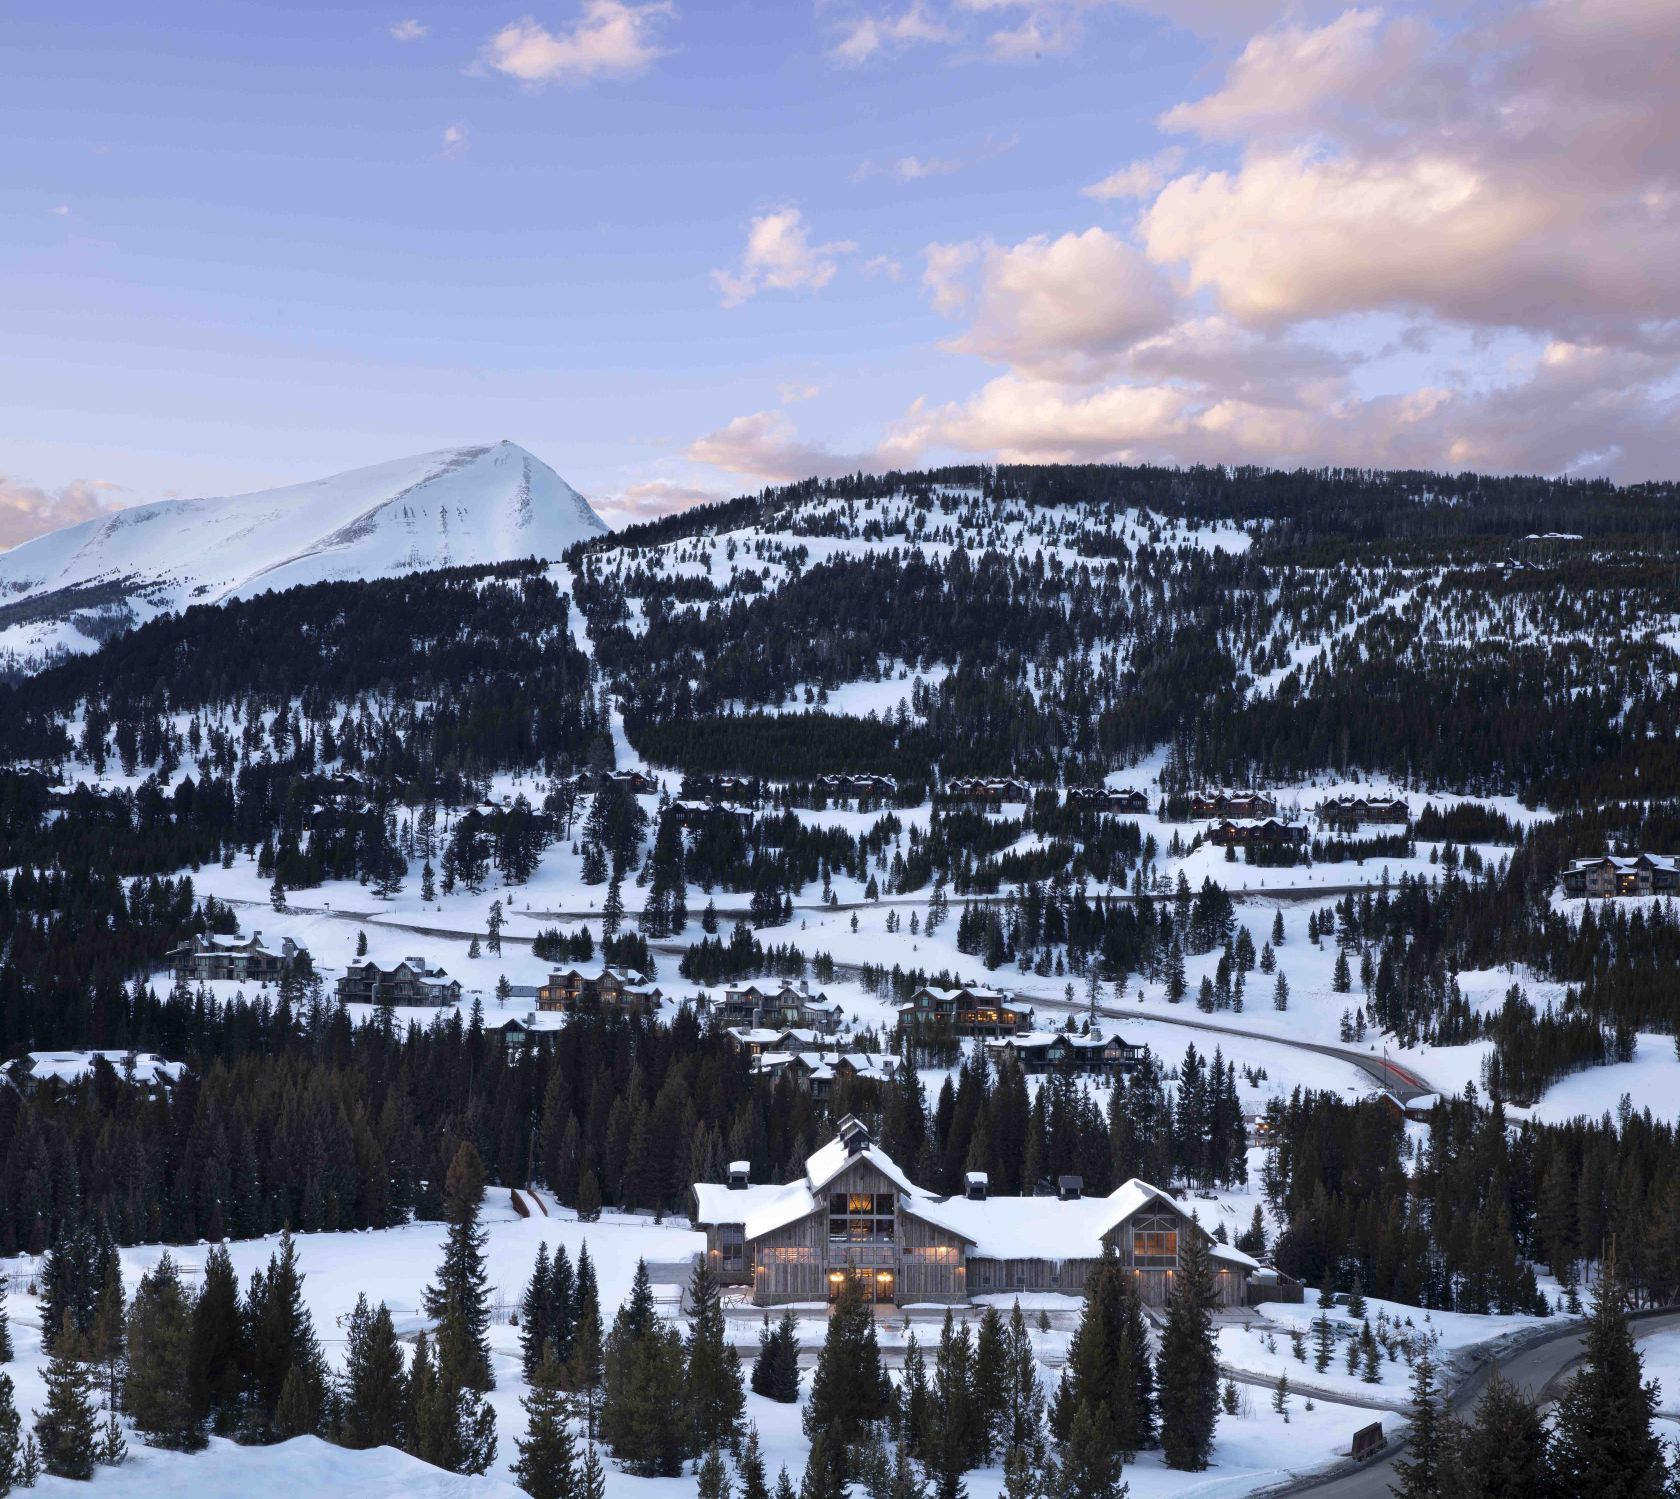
column 1090, row 1465
column 1603, row 1442
column 1429, row 1440
column 373, row 1389
column 461, row 1291
column 750, row 1465
column 1188, row 1371
column 67, row 1429
column 547, row 1465
column 958, row 1435
column 594, row 1481
column 1324, row 1341
column 717, row 1401
column 5, row 1327
column 711, row 1480
column 849, row 1390
column 472, row 1422
column 562, row 1304
column 537, row 1340
column 106, row 1343
column 11, row 1435
column 157, row 1391
column 992, row 1375
column 217, row 1355
column 282, row 1338
column 1280, row 1396
column 642, row 1403
column 776, row 1371
column 586, row 1368
column 1023, row 1426
column 112, row 1450
column 916, row 1401
column 1502, row 1452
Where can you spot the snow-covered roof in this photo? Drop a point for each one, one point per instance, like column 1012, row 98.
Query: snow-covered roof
column 1628, row 863
column 71, row 1066
column 1037, row 1040
column 996, row 1227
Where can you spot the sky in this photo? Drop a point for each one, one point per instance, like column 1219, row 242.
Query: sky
column 682, row 249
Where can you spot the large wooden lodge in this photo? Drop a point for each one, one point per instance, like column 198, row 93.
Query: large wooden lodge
column 854, row 1213
column 1623, row 874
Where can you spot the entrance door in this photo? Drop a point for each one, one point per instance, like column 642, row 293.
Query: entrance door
column 877, row 1285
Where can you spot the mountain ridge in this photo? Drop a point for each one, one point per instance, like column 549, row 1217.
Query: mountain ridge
column 461, row 506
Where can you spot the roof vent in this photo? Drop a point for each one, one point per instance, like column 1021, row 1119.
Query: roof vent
column 854, row 1135
column 738, row 1173
column 1070, row 1188
column 976, row 1186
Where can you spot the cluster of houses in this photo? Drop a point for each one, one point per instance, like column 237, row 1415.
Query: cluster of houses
column 606, row 987
column 706, row 788
column 854, row 1214
column 1220, row 802
column 412, row 981
column 689, row 813
column 1623, row 874
column 987, row 789
column 782, row 1006
column 140, row 1069
column 1108, row 798
column 967, row 1011
column 635, row 782
column 857, row 785
column 244, row 960
column 1347, row 812
column 1273, row 832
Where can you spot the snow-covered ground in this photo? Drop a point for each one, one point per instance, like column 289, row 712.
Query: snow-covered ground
column 1254, row 1449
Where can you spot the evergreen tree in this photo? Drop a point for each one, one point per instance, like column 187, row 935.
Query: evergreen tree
column 643, row 1414
column 106, row 1342
column 916, row 1401
column 1429, row 1441
column 1502, row 1452
column 1603, row 1442
column 1188, row 1371
column 282, row 1337
column 711, row 1480
column 586, row 1368
column 537, row 1340
column 11, row 1436
column 849, row 1390
column 5, row 1327
column 1023, row 1427
column 775, row 1373
column 958, row 1434
column 1090, row 1464
column 461, row 1293
column 217, row 1355
column 562, row 1304
column 547, row 1465
column 373, row 1388
column 67, row 1430
column 157, row 1392
column 717, row 1402
column 750, row 1465
column 992, row 1380
column 594, row 1480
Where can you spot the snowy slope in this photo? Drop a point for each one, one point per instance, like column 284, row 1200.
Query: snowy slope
column 444, row 509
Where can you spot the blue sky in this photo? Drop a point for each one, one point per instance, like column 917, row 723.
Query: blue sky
column 680, row 250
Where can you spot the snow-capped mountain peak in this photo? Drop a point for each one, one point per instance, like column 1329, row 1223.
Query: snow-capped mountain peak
column 456, row 507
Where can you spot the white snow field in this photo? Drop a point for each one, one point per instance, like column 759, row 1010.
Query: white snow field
column 452, row 508
column 1254, row 1450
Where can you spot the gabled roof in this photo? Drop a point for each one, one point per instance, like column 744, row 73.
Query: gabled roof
column 996, row 1227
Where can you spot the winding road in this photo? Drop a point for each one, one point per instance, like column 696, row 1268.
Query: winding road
column 1537, row 1367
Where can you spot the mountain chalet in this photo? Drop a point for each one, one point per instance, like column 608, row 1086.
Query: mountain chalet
column 855, row 1213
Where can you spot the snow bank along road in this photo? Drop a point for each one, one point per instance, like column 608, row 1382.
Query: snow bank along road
column 1535, row 1367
